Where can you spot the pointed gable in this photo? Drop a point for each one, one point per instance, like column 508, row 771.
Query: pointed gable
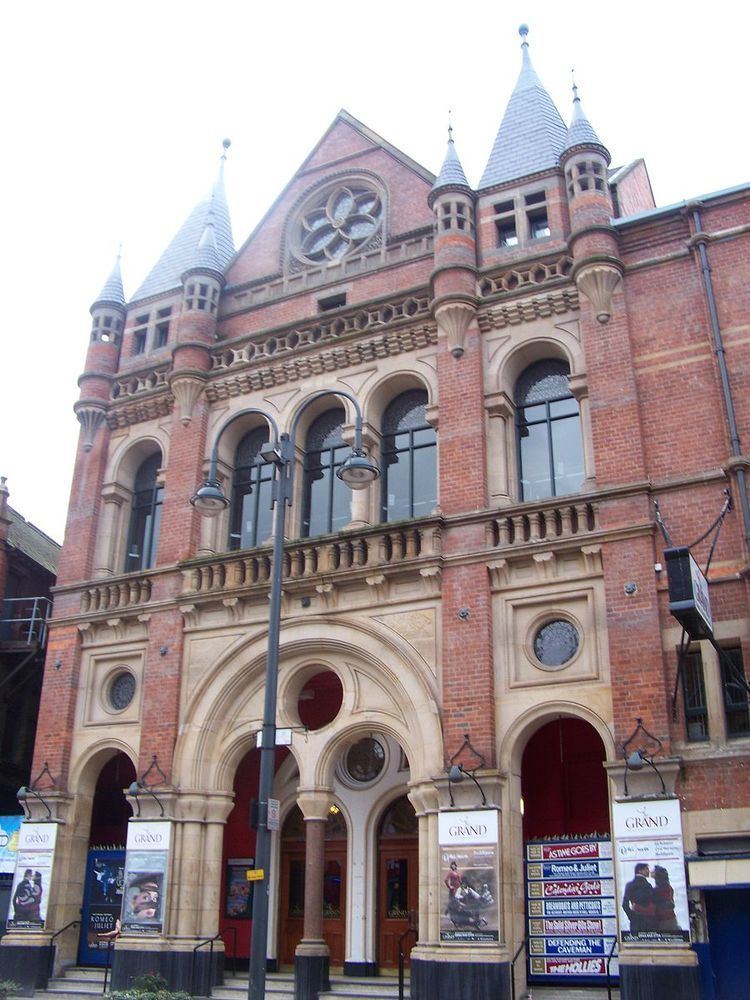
column 180, row 255
column 532, row 133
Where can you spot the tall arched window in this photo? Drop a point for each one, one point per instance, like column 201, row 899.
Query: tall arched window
column 409, row 459
column 326, row 501
column 250, row 523
column 550, row 450
column 145, row 516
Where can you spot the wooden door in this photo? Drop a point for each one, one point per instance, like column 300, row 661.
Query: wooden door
column 292, row 901
column 397, row 904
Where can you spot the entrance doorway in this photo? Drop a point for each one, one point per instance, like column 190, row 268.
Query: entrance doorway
column 292, row 888
column 398, row 854
column 102, row 896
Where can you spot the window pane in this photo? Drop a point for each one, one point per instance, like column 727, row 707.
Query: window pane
column 318, row 491
column 342, row 505
column 396, row 487
column 425, row 482
column 396, row 882
column 694, row 695
column 535, row 481
column 563, row 407
column 533, row 414
column 735, row 692
column 567, row 452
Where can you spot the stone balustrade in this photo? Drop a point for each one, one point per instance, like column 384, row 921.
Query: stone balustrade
column 549, row 521
column 117, row 594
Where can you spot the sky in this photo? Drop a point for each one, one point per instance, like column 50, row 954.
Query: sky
column 114, row 114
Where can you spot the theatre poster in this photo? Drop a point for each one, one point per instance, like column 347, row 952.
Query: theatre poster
column 650, row 871
column 469, row 894
column 146, row 869
column 570, row 900
column 29, row 895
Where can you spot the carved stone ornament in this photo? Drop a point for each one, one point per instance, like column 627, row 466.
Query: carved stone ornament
column 186, row 390
column 453, row 321
column 598, row 283
column 90, row 416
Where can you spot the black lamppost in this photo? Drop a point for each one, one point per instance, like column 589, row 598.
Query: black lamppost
column 357, row 472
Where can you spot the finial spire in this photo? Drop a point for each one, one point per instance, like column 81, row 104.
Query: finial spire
column 450, row 126
column 225, row 144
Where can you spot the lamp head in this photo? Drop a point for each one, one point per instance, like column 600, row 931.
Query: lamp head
column 134, row 788
column 22, row 793
column 635, row 760
column 358, row 471
column 456, row 774
column 209, row 501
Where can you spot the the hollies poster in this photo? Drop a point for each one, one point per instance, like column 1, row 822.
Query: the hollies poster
column 570, row 898
column 31, row 882
column 469, row 851
column 146, row 866
column 650, row 864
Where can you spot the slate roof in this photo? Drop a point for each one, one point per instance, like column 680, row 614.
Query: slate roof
column 112, row 293
column 532, row 134
column 451, row 173
column 206, row 254
column 27, row 538
column 179, row 256
column 581, row 131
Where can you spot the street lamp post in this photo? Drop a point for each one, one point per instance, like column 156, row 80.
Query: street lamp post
column 357, row 472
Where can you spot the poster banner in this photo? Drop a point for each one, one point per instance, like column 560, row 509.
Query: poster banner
column 650, row 871
column 469, row 854
column 570, row 899
column 10, row 827
column 103, row 898
column 239, row 891
column 33, row 874
column 146, row 867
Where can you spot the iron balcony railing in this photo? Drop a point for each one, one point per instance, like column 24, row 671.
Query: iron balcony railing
column 24, row 620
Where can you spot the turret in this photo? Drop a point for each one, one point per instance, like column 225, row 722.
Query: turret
column 108, row 318
column 454, row 277
column 597, row 268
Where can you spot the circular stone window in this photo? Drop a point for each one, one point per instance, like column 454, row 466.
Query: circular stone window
column 337, row 222
column 121, row 690
column 364, row 761
column 556, row 643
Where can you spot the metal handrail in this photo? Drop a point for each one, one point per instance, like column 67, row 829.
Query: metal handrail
column 520, row 948
column 206, row 941
column 609, row 959
column 107, row 964
column 402, row 937
column 39, row 608
column 233, row 930
column 51, row 962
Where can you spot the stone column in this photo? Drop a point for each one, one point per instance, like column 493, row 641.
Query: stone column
column 114, row 498
column 500, row 447
column 311, row 960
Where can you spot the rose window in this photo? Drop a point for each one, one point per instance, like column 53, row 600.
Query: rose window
column 339, row 223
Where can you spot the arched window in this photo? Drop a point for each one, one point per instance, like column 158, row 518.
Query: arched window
column 550, row 451
column 327, row 501
column 250, row 522
column 409, row 453
column 145, row 516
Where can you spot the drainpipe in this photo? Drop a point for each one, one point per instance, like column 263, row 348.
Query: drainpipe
column 700, row 239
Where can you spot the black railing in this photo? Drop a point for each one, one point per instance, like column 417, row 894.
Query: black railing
column 520, row 948
column 107, row 964
column 195, row 989
column 24, row 619
column 609, row 962
column 52, row 946
column 402, row 955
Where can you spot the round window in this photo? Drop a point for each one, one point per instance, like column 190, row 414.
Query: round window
column 365, row 760
column 121, row 690
column 556, row 642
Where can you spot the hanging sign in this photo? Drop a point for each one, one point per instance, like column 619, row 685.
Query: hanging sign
column 570, row 900
column 469, row 852
column 146, row 867
column 31, row 881
column 688, row 593
column 650, row 865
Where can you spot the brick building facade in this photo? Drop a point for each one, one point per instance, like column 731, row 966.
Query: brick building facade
column 538, row 360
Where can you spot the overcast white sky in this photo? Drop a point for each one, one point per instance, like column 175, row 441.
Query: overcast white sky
column 114, row 114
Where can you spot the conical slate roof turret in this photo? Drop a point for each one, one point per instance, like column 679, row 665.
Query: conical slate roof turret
column 532, row 133
column 180, row 254
column 206, row 257
column 112, row 293
column 451, row 174
column 581, row 131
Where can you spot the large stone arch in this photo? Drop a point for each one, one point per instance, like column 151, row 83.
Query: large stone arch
column 523, row 728
column 385, row 686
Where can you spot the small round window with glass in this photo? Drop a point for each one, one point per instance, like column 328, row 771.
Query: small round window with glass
column 337, row 223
